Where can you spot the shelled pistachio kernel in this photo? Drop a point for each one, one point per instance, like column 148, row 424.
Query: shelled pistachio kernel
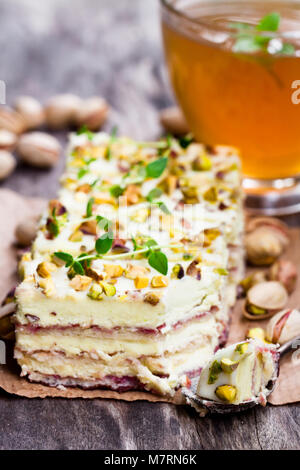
column 242, row 348
column 226, row 393
column 133, row 271
column 141, row 282
column 76, row 236
column 113, row 270
column 159, row 281
column 96, row 292
column 47, row 285
column 177, row 272
column 229, row 366
column 152, row 298
column 211, row 195
column 108, row 288
column 45, row 269
column 214, row 371
column 80, row 283
column 255, row 310
column 202, row 163
column 256, row 333
column 141, row 215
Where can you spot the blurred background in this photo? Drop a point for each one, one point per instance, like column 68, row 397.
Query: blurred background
column 110, row 48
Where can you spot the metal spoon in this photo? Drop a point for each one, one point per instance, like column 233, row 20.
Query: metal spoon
column 204, row 406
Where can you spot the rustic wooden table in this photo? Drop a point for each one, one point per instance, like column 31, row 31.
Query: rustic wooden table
column 111, row 48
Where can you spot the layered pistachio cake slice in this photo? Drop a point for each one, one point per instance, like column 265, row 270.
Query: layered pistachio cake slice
column 130, row 281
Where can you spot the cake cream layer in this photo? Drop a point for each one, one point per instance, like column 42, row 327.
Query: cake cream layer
column 95, row 342
column 160, row 374
column 181, row 300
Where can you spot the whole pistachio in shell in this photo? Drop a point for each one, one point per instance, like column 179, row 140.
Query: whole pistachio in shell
column 283, row 326
column 92, row 113
column 61, row 110
column 11, row 120
column 284, row 271
column 7, row 164
column 278, row 227
column 266, row 298
column 173, row 120
column 8, row 140
column 26, row 231
column 31, row 110
column 263, row 246
column 39, row 149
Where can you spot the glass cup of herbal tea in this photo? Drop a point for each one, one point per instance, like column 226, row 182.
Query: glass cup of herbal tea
column 235, row 70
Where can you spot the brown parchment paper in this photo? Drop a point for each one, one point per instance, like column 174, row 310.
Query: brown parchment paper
column 13, row 209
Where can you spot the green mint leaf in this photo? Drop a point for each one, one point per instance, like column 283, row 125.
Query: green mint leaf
column 156, row 168
column 81, row 173
column 116, row 191
column 66, row 257
column 135, row 245
column 158, row 261
column 108, row 153
column 186, row 141
column 95, row 183
column 89, row 208
column 84, row 130
column 169, row 140
column 104, row 243
column 78, row 268
column 240, row 26
column 221, row 271
column 154, row 194
column 269, row 22
column 90, row 160
column 103, row 223
column 114, row 133
column 287, row 49
column 136, row 175
column 246, row 44
column 150, row 243
column 163, row 207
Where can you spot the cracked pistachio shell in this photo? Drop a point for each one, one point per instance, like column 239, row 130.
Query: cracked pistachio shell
column 269, row 295
column 286, row 272
column 283, row 326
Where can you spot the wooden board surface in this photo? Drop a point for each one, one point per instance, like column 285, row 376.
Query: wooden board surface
column 113, row 48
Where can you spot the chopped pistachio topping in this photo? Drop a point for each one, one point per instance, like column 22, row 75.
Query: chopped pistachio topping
column 242, row 348
column 229, row 366
column 226, row 393
column 214, row 372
